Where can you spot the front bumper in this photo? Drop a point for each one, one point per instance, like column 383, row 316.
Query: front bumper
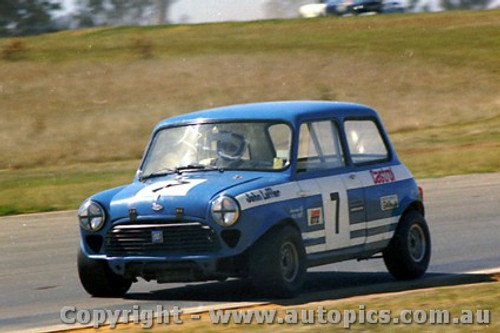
column 167, row 251
column 187, row 269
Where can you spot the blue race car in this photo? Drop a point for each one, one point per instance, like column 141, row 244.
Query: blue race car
column 257, row 191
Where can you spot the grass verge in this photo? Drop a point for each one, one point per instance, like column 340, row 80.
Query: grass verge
column 460, row 148
column 58, row 188
column 455, row 300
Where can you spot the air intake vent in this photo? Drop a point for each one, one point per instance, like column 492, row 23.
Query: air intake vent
column 161, row 240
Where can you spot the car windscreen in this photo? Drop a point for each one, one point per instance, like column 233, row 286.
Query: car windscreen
column 224, row 145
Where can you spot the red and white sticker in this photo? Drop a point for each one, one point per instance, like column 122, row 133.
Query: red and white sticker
column 314, row 216
column 383, row 176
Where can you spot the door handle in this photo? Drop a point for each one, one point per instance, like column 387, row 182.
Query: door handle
column 357, row 209
column 302, row 194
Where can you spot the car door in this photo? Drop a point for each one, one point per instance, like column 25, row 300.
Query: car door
column 322, row 182
column 371, row 159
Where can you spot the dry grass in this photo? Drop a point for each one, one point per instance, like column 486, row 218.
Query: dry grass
column 88, row 112
column 88, row 96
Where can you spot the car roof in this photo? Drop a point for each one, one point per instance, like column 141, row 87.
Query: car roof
column 290, row 111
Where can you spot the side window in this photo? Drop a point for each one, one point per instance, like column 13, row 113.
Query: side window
column 319, row 147
column 364, row 141
column 281, row 137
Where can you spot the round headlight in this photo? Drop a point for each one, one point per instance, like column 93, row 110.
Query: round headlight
column 91, row 215
column 225, row 211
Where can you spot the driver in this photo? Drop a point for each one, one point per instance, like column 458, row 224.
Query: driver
column 230, row 148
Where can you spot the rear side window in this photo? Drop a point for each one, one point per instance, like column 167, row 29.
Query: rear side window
column 319, row 147
column 365, row 141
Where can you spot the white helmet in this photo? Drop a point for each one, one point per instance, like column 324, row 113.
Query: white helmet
column 230, row 146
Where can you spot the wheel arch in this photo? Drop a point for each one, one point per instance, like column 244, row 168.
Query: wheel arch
column 281, row 224
column 414, row 205
column 274, row 228
column 266, row 269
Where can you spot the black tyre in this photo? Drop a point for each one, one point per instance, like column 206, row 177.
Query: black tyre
column 277, row 263
column 98, row 279
column 409, row 252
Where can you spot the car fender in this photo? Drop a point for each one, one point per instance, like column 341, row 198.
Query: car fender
column 252, row 229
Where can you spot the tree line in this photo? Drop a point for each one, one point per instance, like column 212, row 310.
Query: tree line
column 31, row 17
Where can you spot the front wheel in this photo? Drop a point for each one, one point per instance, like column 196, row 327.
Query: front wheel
column 99, row 280
column 409, row 252
column 277, row 263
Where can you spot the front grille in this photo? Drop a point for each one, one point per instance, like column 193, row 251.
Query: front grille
column 161, row 239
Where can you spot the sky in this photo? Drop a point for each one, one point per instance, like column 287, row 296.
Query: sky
column 198, row 11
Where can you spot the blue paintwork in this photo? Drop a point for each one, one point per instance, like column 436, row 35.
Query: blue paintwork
column 290, row 111
column 256, row 221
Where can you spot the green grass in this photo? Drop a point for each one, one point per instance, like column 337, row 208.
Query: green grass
column 62, row 188
column 77, row 101
column 450, row 37
column 462, row 148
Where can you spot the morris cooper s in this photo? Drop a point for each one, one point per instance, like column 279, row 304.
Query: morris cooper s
column 260, row 192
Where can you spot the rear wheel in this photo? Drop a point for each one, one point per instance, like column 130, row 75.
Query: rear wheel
column 99, row 280
column 409, row 252
column 277, row 263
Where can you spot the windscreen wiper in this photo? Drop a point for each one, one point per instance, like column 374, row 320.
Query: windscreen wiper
column 179, row 170
column 197, row 167
column 159, row 173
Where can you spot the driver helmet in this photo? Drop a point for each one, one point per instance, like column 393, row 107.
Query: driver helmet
column 230, row 145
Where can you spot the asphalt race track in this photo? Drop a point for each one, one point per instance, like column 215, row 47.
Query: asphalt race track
column 38, row 261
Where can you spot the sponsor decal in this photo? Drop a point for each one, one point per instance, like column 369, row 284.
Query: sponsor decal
column 278, row 163
column 261, row 195
column 314, row 216
column 389, row 202
column 297, row 213
column 383, row 176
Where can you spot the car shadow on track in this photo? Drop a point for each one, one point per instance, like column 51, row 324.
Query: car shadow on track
column 319, row 286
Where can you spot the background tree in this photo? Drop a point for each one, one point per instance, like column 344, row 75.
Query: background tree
column 464, row 4
column 26, row 17
column 91, row 13
column 412, row 4
column 162, row 8
column 427, row 5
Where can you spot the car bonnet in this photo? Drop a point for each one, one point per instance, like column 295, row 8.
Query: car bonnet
column 166, row 196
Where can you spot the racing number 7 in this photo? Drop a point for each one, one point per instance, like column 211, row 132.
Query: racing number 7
column 334, row 197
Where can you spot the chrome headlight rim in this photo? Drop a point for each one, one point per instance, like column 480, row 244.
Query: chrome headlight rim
column 92, row 216
column 225, row 211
